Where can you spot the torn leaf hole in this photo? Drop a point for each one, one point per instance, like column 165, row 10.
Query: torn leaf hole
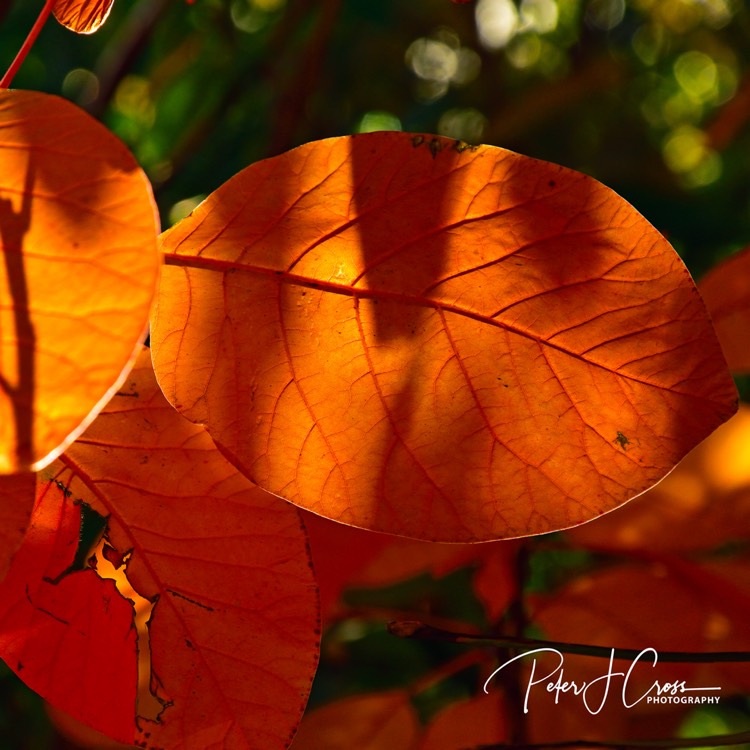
column 111, row 564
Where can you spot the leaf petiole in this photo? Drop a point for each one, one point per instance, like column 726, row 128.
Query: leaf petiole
column 27, row 45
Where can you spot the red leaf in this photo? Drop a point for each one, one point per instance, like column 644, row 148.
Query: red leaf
column 233, row 632
column 16, row 502
column 377, row 721
column 347, row 557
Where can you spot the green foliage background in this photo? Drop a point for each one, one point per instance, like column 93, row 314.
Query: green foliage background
column 652, row 97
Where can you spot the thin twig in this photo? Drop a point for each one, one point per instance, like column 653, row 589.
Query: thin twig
column 7, row 79
column 416, row 629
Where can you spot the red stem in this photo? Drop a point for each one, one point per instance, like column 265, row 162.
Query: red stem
column 27, row 45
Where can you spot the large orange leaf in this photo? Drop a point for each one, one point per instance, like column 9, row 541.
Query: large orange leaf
column 233, row 631
column 78, row 231
column 726, row 290
column 409, row 335
column 16, row 501
column 83, row 16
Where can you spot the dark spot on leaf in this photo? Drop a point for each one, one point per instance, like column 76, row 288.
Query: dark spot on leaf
column 188, row 599
column 436, row 146
column 417, row 140
column 62, row 488
column 622, row 440
column 552, row 183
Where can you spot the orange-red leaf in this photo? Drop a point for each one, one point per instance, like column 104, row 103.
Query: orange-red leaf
column 345, row 556
column 78, row 231
column 16, row 501
column 233, row 632
column 726, row 290
column 409, row 335
column 668, row 607
column 482, row 720
column 709, row 490
column 377, row 721
column 388, row 721
column 82, row 16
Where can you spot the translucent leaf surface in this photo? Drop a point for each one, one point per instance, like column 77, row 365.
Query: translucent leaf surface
column 231, row 646
column 82, row 16
column 409, row 335
column 78, row 231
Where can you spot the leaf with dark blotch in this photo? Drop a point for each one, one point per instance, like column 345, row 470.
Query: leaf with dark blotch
column 409, row 335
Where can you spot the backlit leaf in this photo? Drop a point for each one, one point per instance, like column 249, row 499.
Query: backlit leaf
column 233, row 632
column 409, row 335
column 78, row 236
column 726, row 290
column 82, row 16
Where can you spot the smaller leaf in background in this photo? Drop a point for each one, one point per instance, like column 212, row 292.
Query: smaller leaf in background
column 481, row 720
column 222, row 565
column 388, row 721
column 726, row 291
column 709, row 490
column 672, row 605
column 377, row 721
column 78, row 230
column 346, row 556
column 82, row 16
column 16, row 502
